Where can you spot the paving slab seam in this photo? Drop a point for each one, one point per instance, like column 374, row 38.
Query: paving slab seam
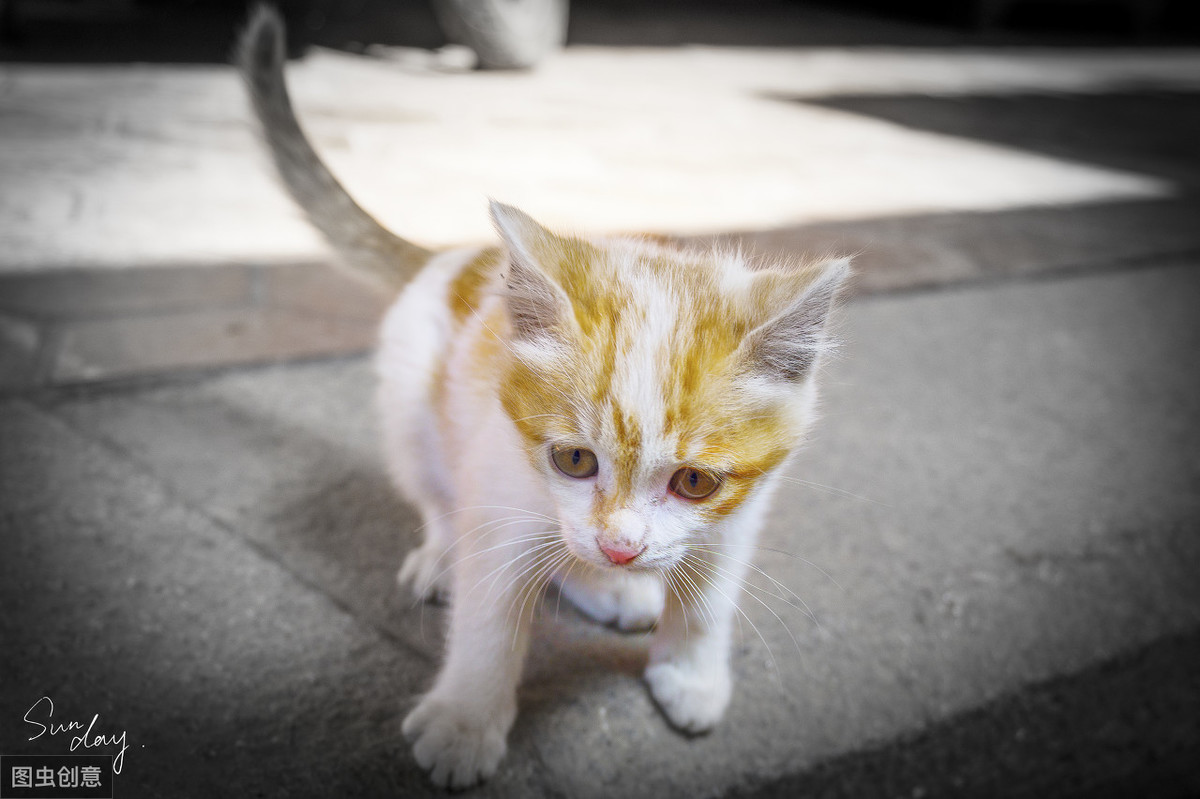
column 70, row 388
column 52, row 328
column 49, row 347
column 54, row 319
column 253, row 302
column 175, row 496
column 67, row 390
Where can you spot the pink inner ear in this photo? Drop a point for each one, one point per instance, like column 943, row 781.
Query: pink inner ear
column 536, row 306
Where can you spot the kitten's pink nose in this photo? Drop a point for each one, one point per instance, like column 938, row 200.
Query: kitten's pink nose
column 621, row 554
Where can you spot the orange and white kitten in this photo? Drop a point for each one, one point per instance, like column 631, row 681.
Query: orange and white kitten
column 610, row 415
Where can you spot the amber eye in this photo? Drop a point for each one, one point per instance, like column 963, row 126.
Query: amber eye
column 693, row 484
column 575, row 461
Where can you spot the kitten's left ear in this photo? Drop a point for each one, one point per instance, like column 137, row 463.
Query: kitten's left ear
column 786, row 347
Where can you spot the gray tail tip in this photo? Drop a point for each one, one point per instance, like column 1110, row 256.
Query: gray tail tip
column 261, row 45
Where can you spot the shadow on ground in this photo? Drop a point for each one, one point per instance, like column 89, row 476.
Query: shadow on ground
column 1153, row 133
column 1082, row 736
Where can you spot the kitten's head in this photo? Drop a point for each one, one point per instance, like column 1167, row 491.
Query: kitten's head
column 657, row 391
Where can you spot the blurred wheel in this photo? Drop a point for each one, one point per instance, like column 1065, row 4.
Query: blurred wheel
column 505, row 34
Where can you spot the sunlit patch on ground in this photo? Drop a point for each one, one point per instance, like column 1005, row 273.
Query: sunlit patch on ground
column 132, row 165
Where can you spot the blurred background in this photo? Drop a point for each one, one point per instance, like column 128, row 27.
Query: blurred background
column 197, row 540
column 196, row 31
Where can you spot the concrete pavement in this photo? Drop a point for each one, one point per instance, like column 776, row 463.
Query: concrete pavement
column 1002, row 491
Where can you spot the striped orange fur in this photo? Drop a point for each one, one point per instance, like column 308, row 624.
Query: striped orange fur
column 653, row 369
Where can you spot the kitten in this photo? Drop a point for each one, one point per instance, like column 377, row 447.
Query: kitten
column 609, row 415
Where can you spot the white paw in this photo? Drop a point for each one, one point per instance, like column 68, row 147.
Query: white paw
column 426, row 573
column 629, row 601
column 458, row 745
column 693, row 699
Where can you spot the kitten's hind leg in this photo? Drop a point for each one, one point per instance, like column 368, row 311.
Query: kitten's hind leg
column 422, row 480
column 427, row 569
column 628, row 600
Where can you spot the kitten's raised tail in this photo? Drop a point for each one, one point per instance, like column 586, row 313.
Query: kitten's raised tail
column 364, row 244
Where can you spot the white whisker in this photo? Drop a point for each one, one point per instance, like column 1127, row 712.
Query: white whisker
column 785, row 589
column 713, row 584
column 770, row 610
column 703, row 606
column 838, row 492
column 464, row 509
column 533, row 586
column 526, row 539
column 498, row 572
column 679, row 598
column 562, row 582
column 712, row 546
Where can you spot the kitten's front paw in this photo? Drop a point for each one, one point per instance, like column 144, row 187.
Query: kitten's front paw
column 629, row 601
column 693, row 699
column 459, row 745
column 425, row 573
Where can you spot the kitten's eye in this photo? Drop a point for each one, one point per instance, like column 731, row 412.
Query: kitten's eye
column 693, row 484
column 575, row 461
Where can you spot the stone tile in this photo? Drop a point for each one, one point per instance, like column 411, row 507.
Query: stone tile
column 225, row 672
column 321, row 289
column 123, row 346
column 75, row 294
column 310, row 484
column 926, row 250
column 1013, row 485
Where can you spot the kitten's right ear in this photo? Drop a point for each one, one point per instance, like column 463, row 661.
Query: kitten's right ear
column 536, row 305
